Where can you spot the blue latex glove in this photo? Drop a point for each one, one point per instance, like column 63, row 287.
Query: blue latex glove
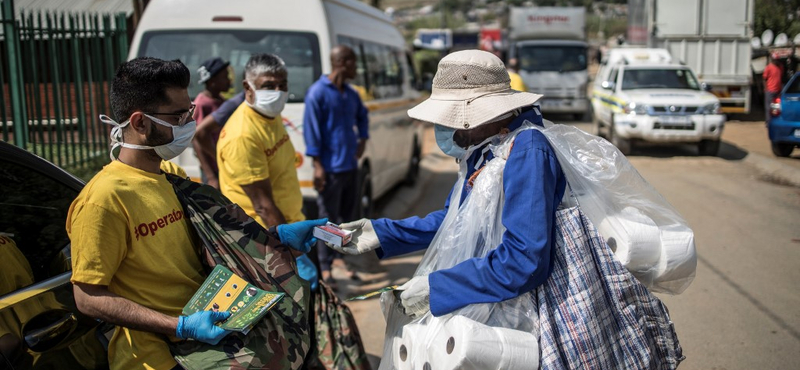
column 307, row 271
column 200, row 326
column 298, row 235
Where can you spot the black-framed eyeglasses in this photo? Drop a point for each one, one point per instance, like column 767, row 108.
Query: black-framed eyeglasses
column 182, row 117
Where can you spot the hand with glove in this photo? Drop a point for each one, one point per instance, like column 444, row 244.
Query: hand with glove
column 363, row 239
column 200, row 326
column 415, row 296
column 298, row 235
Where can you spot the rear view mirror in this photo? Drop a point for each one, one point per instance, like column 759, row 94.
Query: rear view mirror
column 608, row 85
column 705, row 87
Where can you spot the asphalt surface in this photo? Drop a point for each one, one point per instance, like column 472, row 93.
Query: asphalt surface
column 741, row 311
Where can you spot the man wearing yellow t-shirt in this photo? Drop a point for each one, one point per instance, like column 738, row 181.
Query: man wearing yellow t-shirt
column 513, row 74
column 134, row 261
column 255, row 156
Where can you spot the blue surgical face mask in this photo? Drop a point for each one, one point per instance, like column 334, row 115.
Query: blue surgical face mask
column 444, row 138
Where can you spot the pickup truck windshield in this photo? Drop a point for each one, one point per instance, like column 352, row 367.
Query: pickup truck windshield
column 551, row 58
column 659, row 79
column 300, row 51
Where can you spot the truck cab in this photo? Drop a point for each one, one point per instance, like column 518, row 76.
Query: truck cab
column 557, row 70
column 550, row 46
column 641, row 96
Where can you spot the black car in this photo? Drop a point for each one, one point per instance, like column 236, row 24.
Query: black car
column 40, row 327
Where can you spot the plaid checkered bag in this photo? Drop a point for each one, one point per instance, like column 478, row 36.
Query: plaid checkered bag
column 593, row 313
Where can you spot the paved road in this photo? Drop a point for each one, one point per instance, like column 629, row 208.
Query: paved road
column 743, row 309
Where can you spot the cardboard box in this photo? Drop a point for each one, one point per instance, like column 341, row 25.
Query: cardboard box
column 333, row 234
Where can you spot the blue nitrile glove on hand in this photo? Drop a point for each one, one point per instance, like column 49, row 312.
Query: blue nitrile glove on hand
column 298, row 235
column 200, row 326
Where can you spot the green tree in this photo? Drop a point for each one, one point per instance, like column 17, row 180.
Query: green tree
column 778, row 16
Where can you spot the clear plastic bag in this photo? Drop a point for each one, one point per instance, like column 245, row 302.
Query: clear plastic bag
column 498, row 335
column 646, row 233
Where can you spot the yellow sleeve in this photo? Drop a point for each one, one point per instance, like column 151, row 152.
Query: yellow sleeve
column 244, row 160
column 169, row 167
column 99, row 242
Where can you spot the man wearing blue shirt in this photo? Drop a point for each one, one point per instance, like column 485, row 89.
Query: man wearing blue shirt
column 471, row 101
column 332, row 114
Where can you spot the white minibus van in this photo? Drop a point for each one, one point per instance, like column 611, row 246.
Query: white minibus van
column 302, row 33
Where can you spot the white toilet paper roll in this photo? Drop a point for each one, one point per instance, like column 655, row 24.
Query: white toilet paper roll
column 635, row 239
column 464, row 344
column 676, row 268
column 407, row 347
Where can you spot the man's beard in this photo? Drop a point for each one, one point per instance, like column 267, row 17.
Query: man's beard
column 155, row 138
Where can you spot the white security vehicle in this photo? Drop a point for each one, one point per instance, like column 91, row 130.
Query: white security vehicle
column 640, row 95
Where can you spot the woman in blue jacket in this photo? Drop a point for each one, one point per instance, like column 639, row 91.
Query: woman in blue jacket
column 471, row 101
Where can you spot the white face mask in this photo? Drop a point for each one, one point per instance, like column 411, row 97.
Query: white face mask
column 181, row 137
column 268, row 102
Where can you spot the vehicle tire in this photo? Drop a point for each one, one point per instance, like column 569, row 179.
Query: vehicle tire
column 708, row 147
column 624, row 145
column 413, row 166
column 364, row 206
column 782, row 149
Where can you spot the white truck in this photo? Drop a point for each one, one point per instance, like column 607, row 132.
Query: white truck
column 550, row 46
column 712, row 37
column 643, row 95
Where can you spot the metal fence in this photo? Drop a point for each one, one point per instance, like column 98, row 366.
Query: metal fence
column 55, row 74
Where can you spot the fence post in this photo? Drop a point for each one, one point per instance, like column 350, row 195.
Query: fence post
column 15, row 88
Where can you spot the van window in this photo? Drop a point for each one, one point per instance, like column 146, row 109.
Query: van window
column 380, row 68
column 300, row 51
column 360, row 82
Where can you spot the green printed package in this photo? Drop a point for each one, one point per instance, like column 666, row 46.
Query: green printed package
column 372, row 294
column 225, row 291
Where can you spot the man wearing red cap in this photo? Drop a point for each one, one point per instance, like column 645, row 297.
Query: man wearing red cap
column 773, row 83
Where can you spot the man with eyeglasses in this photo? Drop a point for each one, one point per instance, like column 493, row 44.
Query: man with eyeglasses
column 134, row 259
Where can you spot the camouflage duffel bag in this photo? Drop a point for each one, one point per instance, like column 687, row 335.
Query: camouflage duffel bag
column 231, row 238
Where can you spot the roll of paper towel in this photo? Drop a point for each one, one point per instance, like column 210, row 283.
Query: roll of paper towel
column 635, row 239
column 459, row 343
column 678, row 262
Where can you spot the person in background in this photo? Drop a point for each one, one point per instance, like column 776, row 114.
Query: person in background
column 333, row 113
column 513, row 73
column 134, row 261
column 255, row 156
column 214, row 74
column 773, row 82
column 207, row 135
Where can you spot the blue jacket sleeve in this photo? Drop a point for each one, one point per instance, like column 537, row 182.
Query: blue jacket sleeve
column 312, row 124
column 362, row 120
column 408, row 235
column 533, row 185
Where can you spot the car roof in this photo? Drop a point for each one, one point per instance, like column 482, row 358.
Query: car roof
column 27, row 159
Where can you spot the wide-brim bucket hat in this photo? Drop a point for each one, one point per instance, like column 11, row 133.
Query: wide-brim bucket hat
column 470, row 88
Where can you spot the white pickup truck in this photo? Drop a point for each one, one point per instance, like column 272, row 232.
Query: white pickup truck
column 640, row 95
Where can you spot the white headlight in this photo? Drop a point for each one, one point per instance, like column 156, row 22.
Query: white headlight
column 635, row 108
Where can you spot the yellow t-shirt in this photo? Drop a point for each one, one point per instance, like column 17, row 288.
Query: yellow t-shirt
column 129, row 233
column 516, row 81
column 252, row 148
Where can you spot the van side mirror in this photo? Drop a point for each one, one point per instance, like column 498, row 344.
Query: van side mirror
column 705, row 87
column 608, row 85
